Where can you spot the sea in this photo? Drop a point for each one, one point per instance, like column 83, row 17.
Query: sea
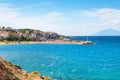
column 99, row 61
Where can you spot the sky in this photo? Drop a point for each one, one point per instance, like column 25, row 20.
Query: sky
column 67, row 17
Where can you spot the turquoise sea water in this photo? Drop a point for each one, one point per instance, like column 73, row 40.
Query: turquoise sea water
column 100, row 61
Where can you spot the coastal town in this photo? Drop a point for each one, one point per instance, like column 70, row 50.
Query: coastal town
column 8, row 35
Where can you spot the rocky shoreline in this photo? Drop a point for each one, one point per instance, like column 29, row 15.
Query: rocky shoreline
column 48, row 42
column 9, row 71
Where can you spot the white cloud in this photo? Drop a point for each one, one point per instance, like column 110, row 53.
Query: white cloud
column 5, row 11
column 11, row 16
column 87, row 22
column 108, row 18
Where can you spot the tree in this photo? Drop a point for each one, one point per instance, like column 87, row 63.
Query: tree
column 12, row 38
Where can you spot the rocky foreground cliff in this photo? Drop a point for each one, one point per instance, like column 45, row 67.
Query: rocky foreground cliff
column 9, row 71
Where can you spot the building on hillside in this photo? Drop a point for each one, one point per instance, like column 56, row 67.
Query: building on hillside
column 19, row 34
column 33, row 35
column 4, row 34
column 1, row 38
column 8, row 28
column 51, row 35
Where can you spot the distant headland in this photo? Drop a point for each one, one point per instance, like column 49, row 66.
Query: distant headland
column 8, row 35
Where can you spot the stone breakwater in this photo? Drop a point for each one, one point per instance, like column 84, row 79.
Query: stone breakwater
column 9, row 71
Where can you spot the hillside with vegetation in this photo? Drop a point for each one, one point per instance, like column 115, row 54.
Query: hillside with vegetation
column 10, row 34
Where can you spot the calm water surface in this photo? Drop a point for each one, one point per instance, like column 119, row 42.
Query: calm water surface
column 100, row 61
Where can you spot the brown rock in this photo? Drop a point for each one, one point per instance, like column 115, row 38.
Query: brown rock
column 8, row 71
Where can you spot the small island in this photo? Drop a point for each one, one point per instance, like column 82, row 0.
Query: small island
column 8, row 35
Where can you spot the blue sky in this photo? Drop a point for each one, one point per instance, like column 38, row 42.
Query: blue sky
column 69, row 17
